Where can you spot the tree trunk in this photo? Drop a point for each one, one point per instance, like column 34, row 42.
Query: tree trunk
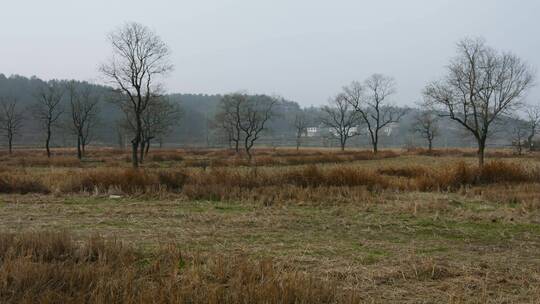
column 147, row 148
column 47, row 141
column 141, row 151
column 374, row 140
column 481, row 152
column 134, row 153
column 79, row 151
column 430, row 145
column 136, row 142
column 297, row 143
column 10, row 144
column 342, row 143
column 247, row 148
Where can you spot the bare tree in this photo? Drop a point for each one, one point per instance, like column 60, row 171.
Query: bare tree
column 254, row 114
column 158, row 121
column 341, row 118
column 229, row 117
column 480, row 86
column 83, row 104
column 11, row 120
column 533, row 122
column 371, row 102
column 519, row 135
column 48, row 109
column 300, row 126
column 139, row 57
column 243, row 118
column 426, row 125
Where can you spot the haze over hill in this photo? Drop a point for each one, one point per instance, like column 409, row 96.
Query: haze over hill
column 195, row 126
column 303, row 50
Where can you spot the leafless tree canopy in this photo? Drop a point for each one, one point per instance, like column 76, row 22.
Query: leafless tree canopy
column 229, row 117
column 48, row 109
column 84, row 111
column 481, row 85
column 158, row 121
column 519, row 135
column 139, row 57
column 533, row 122
column 426, row 125
column 371, row 101
column 11, row 119
column 255, row 114
column 244, row 118
column 340, row 116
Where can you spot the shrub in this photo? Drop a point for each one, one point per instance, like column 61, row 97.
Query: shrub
column 21, row 184
column 499, row 171
column 173, row 180
column 126, row 180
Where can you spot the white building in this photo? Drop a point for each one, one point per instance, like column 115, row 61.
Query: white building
column 313, row 131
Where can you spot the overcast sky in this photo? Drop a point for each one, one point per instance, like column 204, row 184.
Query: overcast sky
column 304, row 50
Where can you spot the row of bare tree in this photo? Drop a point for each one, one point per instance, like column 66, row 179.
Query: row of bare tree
column 481, row 86
column 75, row 107
column 47, row 111
column 363, row 106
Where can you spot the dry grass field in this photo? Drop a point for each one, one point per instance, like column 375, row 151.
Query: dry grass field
column 315, row 226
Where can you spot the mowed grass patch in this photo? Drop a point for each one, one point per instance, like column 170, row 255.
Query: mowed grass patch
column 390, row 244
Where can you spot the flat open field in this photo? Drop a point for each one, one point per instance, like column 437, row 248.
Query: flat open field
column 401, row 227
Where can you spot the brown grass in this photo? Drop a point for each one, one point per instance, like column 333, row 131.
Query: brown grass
column 21, row 184
column 53, row 268
column 218, row 183
column 460, row 174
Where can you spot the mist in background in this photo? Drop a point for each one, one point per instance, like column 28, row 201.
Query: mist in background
column 303, row 50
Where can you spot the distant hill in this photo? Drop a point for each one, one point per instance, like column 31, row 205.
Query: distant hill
column 194, row 128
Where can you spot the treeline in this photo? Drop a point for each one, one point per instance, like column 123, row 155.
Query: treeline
column 195, row 126
column 476, row 102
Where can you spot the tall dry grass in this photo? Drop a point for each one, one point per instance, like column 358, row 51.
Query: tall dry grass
column 53, row 268
column 329, row 184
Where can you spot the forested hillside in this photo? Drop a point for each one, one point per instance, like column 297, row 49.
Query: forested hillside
column 196, row 126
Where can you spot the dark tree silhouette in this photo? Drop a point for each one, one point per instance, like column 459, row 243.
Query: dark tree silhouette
column 139, row 57
column 341, row 118
column 11, row 119
column 370, row 101
column 83, row 108
column 48, row 109
column 480, row 86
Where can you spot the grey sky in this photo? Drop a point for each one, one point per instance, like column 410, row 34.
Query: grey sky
column 304, row 50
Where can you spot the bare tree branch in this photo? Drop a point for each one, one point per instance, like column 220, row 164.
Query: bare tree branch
column 48, row 109
column 341, row 118
column 370, row 101
column 481, row 86
column 11, row 119
column 139, row 56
